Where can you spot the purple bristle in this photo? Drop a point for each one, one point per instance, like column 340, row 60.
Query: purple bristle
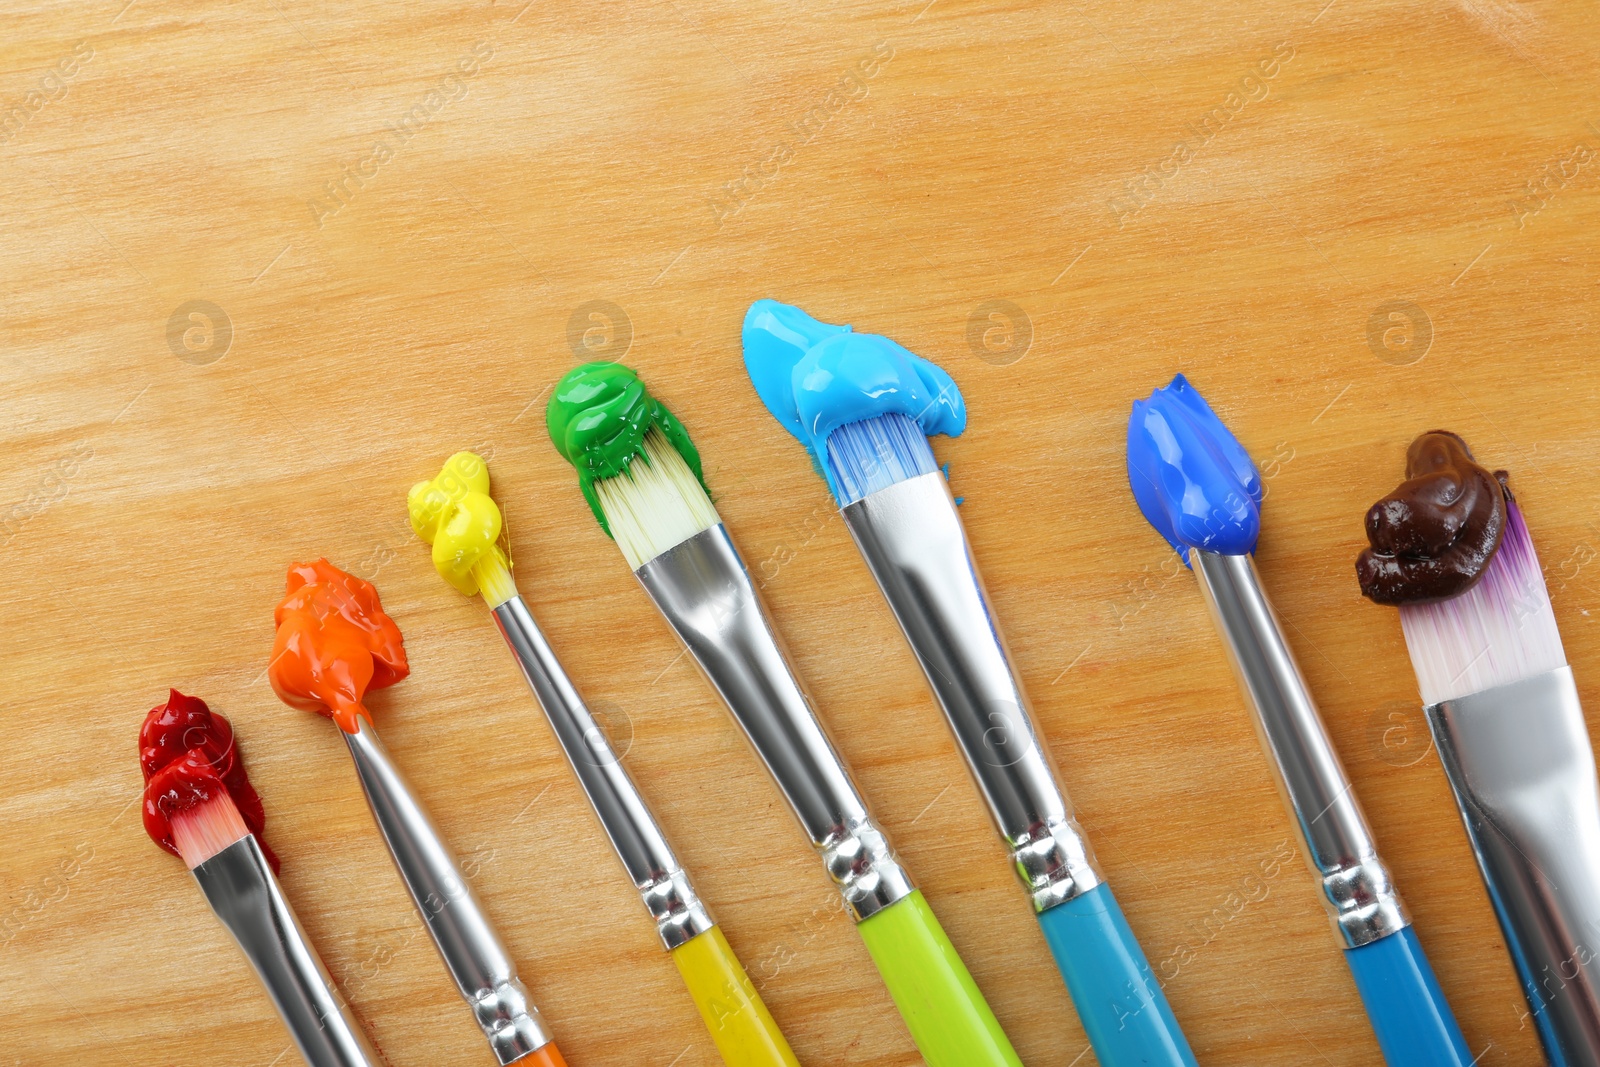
column 1502, row 630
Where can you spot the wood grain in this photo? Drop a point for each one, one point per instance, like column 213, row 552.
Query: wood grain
column 677, row 161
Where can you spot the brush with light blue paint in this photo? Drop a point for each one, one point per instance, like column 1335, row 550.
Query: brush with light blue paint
column 864, row 406
column 1198, row 487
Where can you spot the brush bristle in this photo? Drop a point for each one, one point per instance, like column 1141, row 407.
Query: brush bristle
column 656, row 505
column 207, row 828
column 1500, row 631
column 493, row 576
column 876, row 453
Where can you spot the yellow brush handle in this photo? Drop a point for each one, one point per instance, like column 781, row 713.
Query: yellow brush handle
column 740, row 1024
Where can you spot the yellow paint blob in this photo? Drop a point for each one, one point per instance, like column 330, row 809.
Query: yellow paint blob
column 456, row 515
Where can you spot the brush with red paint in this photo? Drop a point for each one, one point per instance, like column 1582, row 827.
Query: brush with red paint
column 200, row 806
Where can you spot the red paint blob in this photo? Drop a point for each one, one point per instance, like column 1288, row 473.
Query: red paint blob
column 188, row 756
column 334, row 644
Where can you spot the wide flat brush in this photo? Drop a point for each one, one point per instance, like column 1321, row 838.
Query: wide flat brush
column 190, row 764
column 456, row 515
column 863, row 406
column 1451, row 549
column 641, row 475
column 335, row 643
column 1198, row 487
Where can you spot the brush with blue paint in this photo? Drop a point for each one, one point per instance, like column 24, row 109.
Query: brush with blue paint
column 1198, row 487
column 864, row 406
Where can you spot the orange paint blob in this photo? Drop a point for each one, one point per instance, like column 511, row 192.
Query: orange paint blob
column 334, row 644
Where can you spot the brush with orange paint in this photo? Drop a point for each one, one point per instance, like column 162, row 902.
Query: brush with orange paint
column 199, row 805
column 334, row 644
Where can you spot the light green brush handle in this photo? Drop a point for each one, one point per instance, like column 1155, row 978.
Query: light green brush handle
column 947, row 1016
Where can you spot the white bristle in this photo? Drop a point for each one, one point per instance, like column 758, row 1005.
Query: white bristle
column 1502, row 630
column 494, row 578
column 655, row 506
column 206, row 829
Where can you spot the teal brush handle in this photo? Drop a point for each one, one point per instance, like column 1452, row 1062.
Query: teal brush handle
column 1414, row 1024
column 1119, row 1001
column 946, row 1014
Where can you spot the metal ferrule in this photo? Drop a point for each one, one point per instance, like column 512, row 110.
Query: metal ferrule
column 703, row 589
column 1519, row 760
column 643, row 849
column 1362, row 903
column 247, row 898
column 472, row 951
column 916, row 547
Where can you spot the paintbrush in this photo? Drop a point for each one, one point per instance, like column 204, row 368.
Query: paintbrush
column 192, row 776
column 1198, row 487
column 641, row 475
column 864, row 406
column 1450, row 548
column 335, row 643
column 456, row 515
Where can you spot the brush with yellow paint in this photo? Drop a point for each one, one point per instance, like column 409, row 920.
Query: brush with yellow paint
column 455, row 513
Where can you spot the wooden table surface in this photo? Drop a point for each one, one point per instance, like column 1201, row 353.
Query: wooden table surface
column 1346, row 221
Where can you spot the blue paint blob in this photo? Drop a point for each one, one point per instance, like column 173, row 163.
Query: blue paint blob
column 816, row 378
column 1190, row 476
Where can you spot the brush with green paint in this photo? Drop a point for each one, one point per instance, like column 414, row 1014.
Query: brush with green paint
column 641, row 475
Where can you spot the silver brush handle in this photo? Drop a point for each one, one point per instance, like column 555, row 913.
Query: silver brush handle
column 472, row 951
column 247, row 898
column 703, row 589
column 916, row 547
column 1362, row 903
column 1519, row 760
column 642, row 847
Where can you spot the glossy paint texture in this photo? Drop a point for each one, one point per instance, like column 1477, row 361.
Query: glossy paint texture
column 455, row 514
column 334, row 644
column 598, row 418
column 815, row 378
column 1191, row 478
column 188, row 756
column 1433, row 537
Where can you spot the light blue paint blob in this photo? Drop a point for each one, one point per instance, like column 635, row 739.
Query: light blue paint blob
column 1190, row 476
column 816, row 378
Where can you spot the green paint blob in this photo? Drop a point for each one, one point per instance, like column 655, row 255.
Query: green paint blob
column 598, row 418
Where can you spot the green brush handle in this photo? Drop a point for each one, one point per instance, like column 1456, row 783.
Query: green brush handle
column 947, row 1016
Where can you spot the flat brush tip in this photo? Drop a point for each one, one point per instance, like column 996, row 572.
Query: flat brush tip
column 656, row 504
column 875, row 453
column 1499, row 631
column 202, row 831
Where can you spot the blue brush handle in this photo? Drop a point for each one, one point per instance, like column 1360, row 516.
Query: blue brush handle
column 1118, row 999
column 1414, row 1024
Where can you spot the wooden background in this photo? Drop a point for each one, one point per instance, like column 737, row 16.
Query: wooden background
column 898, row 165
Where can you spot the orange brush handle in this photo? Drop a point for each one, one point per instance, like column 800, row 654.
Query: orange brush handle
column 546, row 1055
